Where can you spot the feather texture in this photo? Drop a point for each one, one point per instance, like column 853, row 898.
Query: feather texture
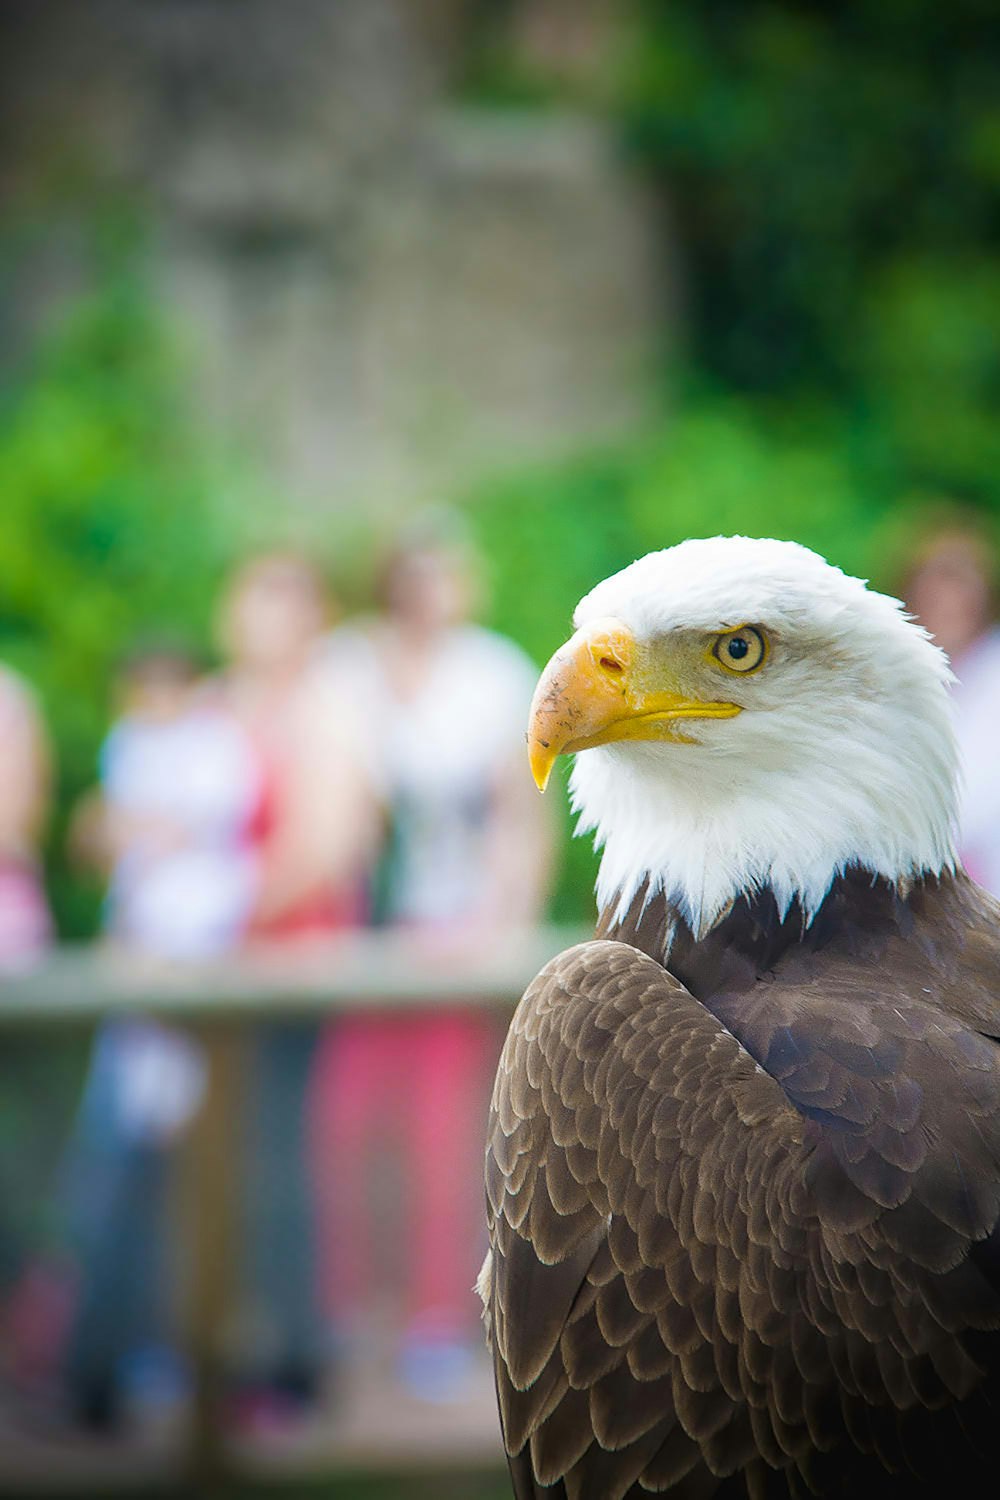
column 743, row 1213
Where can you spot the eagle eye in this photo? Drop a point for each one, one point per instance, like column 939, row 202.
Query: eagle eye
column 741, row 650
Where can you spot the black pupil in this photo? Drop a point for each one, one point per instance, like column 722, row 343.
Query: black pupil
column 738, row 647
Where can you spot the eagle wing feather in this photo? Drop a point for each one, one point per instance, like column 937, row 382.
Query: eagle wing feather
column 720, row 1255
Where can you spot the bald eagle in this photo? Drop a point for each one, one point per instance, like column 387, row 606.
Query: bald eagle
column 743, row 1168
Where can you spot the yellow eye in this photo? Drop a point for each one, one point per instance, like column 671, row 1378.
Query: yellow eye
column 741, row 650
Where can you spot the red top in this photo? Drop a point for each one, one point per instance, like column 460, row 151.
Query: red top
column 325, row 910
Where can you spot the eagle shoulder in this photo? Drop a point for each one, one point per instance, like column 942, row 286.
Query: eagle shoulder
column 696, row 1270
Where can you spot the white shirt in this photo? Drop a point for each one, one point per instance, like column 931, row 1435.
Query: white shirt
column 976, row 702
column 198, row 774
column 436, row 756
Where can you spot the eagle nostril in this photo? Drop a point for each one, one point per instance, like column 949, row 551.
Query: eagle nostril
column 610, row 664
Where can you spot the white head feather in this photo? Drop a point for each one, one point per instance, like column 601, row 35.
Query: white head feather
column 844, row 753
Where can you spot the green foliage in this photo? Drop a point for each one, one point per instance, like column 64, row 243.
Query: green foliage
column 106, row 534
column 833, row 176
column 812, row 156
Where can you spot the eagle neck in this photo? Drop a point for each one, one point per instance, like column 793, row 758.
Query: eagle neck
column 755, row 937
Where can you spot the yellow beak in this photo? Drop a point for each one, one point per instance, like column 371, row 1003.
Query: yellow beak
column 589, row 695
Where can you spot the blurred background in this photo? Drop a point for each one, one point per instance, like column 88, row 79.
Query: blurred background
column 344, row 344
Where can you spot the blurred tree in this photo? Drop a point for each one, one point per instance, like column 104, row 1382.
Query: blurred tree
column 106, row 532
column 834, row 180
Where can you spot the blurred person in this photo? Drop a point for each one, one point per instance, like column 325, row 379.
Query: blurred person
column 178, row 791
column 313, row 838
column 25, row 934
column 313, row 832
column 25, row 774
column 180, row 787
column 950, row 590
column 464, row 860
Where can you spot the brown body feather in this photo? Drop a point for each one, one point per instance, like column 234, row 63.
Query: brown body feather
column 743, row 1207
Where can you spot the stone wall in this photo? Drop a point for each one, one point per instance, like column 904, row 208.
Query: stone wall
column 384, row 295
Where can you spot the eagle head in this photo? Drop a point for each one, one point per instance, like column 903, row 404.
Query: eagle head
column 745, row 716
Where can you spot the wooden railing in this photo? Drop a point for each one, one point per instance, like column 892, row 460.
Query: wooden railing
column 217, row 1001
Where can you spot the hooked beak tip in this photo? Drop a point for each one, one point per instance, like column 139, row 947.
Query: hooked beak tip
column 541, row 758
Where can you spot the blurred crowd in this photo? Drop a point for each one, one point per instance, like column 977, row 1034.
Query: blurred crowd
column 326, row 776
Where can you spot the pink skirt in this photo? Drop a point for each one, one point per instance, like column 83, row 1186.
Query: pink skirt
column 25, row 924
